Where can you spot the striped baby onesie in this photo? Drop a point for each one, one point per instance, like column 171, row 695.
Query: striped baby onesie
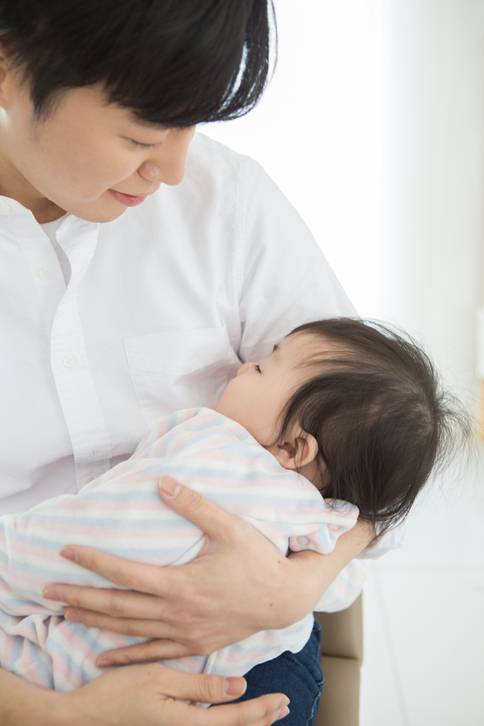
column 122, row 513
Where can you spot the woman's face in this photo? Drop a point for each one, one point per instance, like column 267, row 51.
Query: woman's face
column 89, row 158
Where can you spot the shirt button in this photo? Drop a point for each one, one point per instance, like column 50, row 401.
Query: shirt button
column 91, row 478
column 44, row 273
column 4, row 208
column 68, row 361
column 334, row 527
column 303, row 541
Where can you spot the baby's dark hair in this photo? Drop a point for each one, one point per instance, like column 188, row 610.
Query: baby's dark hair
column 378, row 414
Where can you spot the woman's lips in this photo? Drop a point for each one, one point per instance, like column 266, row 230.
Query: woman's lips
column 129, row 200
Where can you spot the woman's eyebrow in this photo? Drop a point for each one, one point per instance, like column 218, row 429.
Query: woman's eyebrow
column 134, row 118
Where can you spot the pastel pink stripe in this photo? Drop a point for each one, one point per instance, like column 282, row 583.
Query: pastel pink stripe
column 238, row 475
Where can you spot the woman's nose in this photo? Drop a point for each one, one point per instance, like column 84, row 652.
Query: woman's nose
column 166, row 164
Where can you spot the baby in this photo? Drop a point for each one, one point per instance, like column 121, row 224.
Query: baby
column 341, row 420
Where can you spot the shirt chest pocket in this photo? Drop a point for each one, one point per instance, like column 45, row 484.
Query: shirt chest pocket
column 179, row 369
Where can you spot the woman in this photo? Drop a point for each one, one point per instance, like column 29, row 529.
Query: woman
column 107, row 310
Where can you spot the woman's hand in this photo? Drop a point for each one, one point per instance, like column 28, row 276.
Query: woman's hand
column 151, row 695
column 238, row 585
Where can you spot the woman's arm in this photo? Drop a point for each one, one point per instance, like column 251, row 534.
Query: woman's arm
column 238, row 585
column 152, row 695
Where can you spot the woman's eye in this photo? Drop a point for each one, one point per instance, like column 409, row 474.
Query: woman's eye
column 141, row 145
column 144, row 146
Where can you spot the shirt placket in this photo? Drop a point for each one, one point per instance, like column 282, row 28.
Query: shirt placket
column 80, row 404
column 42, row 261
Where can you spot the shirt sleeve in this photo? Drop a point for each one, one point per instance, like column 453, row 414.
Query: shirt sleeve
column 284, row 278
column 391, row 540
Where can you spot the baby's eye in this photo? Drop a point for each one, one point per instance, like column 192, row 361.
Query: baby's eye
column 257, row 367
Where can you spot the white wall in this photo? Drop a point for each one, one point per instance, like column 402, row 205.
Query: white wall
column 373, row 127
column 435, row 211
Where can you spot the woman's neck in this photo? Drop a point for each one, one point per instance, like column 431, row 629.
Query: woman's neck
column 15, row 186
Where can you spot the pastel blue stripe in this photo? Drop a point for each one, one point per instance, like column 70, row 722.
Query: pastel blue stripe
column 184, row 452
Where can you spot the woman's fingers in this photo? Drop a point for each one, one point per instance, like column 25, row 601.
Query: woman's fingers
column 193, row 687
column 123, row 573
column 119, row 604
column 210, row 518
column 263, row 711
column 127, row 626
column 150, row 652
column 215, row 689
column 170, row 582
column 136, row 615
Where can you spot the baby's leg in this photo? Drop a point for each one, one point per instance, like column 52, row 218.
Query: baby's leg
column 298, row 675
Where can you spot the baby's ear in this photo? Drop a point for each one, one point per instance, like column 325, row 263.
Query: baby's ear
column 297, row 451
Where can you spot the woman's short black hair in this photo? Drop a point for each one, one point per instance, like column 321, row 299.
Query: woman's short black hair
column 378, row 414
column 173, row 62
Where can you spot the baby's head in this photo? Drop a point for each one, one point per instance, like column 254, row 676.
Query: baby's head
column 354, row 407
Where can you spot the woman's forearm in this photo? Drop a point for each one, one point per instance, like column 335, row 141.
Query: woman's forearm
column 348, row 546
column 315, row 573
column 22, row 703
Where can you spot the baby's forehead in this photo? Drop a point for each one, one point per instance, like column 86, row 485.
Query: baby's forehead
column 308, row 344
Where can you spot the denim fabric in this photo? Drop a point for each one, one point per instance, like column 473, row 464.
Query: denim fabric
column 298, row 675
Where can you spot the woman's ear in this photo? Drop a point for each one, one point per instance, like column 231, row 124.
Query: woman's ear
column 298, row 451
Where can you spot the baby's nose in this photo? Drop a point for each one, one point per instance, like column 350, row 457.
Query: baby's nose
column 244, row 367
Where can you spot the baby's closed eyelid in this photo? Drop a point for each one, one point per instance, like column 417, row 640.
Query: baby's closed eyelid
column 257, row 367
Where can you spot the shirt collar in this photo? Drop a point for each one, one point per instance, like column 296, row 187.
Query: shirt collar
column 10, row 208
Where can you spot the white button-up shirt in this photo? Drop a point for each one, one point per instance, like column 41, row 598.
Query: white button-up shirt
column 160, row 308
